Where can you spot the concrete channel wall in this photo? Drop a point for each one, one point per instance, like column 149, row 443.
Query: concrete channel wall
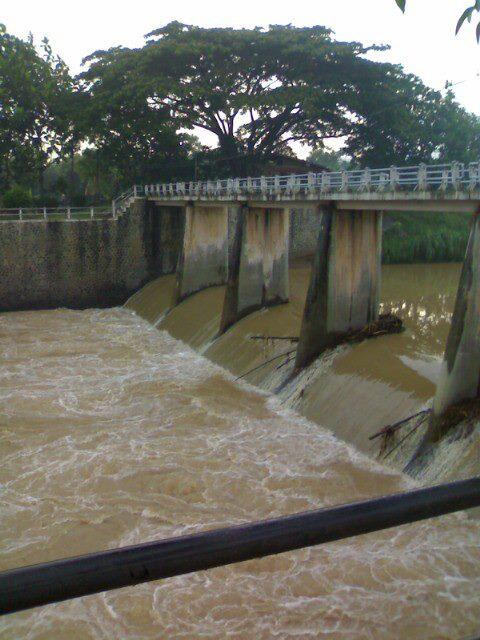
column 81, row 264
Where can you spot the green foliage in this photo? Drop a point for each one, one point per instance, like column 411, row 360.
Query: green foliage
column 36, row 93
column 333, row 160
column 128, row 118
column 465, row 17
column 47, row 200
column 386, row 133
column 256, row 90
column 425, row 237
column 259, row 90
column 17, row 196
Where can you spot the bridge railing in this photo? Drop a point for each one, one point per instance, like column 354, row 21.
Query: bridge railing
column 446, row 177
column 124, row 200
column 454, row 176
column 54, row 213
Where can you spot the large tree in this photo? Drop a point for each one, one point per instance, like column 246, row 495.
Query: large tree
column 406, row 122
column 136, row 140
column 256, row 90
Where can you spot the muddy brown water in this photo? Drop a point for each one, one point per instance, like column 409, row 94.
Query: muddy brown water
column 113, row 432
column 370, row 385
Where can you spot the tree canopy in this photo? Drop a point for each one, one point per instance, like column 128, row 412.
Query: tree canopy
column 132, row 114
column 256, row 90
column 259, row 90
column 35, row 107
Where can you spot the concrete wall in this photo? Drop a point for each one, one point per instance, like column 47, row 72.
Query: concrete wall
column 258, row 263
column 80, row 264
column 343, row 294
column 304, row 226
column 203, row 260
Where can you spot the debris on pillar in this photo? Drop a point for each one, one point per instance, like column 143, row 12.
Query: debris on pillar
column 343, row 296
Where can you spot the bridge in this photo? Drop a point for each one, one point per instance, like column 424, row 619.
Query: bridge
column 422, row 188
column 236, row 232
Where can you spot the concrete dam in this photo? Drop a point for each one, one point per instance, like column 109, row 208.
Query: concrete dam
column 178, row 409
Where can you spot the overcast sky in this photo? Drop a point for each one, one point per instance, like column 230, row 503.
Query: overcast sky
column 423, row 40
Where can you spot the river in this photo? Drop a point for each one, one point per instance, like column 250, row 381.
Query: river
column 369, row 385
column 114, row 432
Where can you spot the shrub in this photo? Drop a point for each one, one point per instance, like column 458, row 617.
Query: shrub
column 17, row 196
column 425, row 237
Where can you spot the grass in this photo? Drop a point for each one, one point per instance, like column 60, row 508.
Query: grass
column 425, row 237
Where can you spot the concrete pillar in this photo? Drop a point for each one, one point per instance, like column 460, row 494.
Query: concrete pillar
column 343, row 295
column 258, row 263
column 460, row 375
column 203, row 259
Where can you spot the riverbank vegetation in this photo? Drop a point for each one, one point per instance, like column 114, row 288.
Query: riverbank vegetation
column 425, row 237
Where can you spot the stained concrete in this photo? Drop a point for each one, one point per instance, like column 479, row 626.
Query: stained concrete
column 460, row 376
column 343, row 295
column 203, row 260
column 90, row 263
column 258, row 263
column 100, row 263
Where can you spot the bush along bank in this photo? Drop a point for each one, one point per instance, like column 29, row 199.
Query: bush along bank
column 425, row 237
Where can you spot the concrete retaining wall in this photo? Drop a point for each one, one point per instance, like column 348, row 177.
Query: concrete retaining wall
column 304, row 226
column 100, row 263
column 80, row 264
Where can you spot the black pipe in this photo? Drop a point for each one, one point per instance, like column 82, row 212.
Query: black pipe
column 73, row 577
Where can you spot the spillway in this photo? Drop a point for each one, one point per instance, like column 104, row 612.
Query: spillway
column 114, row 432
column 367, row 385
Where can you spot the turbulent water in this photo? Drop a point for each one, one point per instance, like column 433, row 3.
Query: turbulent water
column 366, row 387
column 113, row 432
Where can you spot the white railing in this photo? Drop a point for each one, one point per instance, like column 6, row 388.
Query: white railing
column 54, row 213
column 448, row 177
column 123, row 201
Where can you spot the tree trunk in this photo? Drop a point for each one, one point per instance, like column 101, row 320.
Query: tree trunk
column 232, row 155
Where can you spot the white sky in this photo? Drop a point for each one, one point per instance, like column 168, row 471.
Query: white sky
column 423, row 40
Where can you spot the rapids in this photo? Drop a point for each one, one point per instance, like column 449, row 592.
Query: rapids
column 113, row 432
column 366, row 386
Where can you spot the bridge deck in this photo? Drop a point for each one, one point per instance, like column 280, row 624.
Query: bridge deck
column 453, row 187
